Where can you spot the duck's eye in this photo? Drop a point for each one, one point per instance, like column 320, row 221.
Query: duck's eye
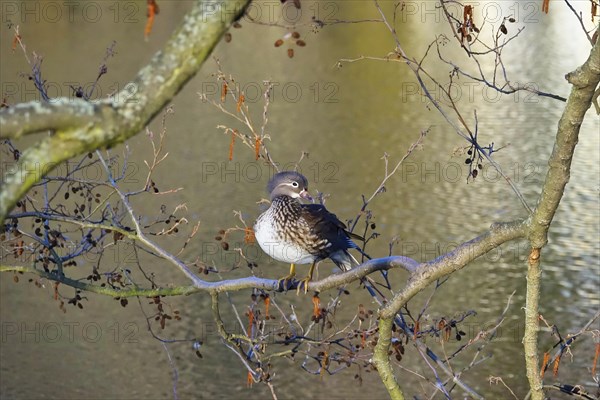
column 295, row 184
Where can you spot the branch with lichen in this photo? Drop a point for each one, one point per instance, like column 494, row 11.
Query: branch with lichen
column 584, row 81
column 226, row 285
column 118, row 118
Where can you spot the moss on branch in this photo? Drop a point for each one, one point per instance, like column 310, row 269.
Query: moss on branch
column 120, row 117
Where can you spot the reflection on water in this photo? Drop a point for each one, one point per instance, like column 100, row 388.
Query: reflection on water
column 346, row 118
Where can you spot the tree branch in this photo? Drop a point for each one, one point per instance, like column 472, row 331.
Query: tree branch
column 427, row 273
column 382, row 361
column 198, row 284
column 59, row 114
column 448, row 263
column 584, row 79
column 116, row 119
column 104, row 290
column 530, row 335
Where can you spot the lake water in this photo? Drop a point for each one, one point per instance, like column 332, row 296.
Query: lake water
column 346, row 119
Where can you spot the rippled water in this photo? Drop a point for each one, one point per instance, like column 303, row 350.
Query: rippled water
column 346, row 119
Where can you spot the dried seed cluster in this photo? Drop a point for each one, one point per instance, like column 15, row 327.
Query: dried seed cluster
column 291, row 38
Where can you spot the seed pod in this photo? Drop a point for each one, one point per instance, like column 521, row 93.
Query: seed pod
column 278, row 42
column 290, row 53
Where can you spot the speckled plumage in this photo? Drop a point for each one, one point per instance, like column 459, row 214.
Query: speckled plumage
column 301, row 233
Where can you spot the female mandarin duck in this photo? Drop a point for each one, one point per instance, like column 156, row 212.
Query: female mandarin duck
column 297, row 233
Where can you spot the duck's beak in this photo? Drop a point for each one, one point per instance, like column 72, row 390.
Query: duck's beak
column 305, row 195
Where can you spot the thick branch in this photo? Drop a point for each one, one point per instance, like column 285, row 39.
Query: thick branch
column 381, row 359
column 585, row 81
column 530, row 336
column 446, row 264
column 198, row 284
column 60, row 114
column 124, row 115
column 377, row 264
column 427, row 273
